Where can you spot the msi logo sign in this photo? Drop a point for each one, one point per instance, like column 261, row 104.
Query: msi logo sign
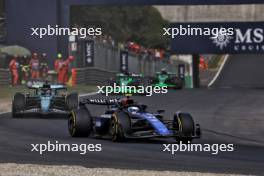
column 250, row 40
column 249, row 36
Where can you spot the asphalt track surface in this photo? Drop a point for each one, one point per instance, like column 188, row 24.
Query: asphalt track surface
column 242, row 71
column 208, row 106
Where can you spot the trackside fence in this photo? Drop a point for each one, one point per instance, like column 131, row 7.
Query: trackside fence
column 5, row 77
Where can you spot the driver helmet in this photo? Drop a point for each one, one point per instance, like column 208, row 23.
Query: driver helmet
column 46, row 92
column 29, row 84
column 127, row 73
column 133, row 109
column 163, row 71
column 126, row 101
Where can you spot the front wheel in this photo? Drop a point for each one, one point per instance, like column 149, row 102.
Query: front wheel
column 184, row 124
column 18, row 105
column 72, row 101
column 177, row 82
column 80, row 123
column 119, row 126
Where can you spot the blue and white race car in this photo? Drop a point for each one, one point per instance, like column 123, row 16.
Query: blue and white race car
column 125, row 119
column 44, row 99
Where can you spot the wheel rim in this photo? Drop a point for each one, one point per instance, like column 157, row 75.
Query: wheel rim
column 71, row 125
column 113, row 130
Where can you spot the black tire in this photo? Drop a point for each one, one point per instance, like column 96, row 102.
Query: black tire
column 119, row 126
column 153, row 80
column 80, row 123
column 18, row 105
column 72, row 101
column 145, row 82
column 184, row 123
column 177, row 82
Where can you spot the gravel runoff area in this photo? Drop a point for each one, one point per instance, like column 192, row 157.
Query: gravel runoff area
column 10, row 169
column 5, row 105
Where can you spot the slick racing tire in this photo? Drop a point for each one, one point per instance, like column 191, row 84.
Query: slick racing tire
column 153, row 80
column 72, row 101
column 145, row 82
column 119, row 126
column 80, row 123
column 18, row 105
column 184, row 123
column 176, row 81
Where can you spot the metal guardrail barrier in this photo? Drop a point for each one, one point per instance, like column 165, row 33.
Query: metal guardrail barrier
column 93, row 76
column 5, row 77
column 107, row 64
column 107, row 57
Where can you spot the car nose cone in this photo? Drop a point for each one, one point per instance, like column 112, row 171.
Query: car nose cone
column 45, row 104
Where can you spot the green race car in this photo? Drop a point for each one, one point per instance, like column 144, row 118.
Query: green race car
column 170, row 80
column 128, row 83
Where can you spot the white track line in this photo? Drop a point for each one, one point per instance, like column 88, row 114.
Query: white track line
column 82, row 95
column 219, row 71
column 1, row 113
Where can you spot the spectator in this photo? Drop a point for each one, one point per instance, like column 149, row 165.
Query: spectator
column 13, row 67
column 25, row 67
column 34, row 66
column 58, row 68
column 44, row 67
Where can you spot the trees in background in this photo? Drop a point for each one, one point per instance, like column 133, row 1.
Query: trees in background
column 141, row 24
column 2, row 8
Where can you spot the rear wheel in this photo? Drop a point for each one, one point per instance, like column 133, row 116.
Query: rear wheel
column 18, row 105
column 80, row 123
column 177, row 82
column 72, row 101
column 153, row 80
column 119, row 126
column 184, row 123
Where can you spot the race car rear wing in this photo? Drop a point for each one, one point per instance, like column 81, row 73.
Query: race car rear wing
column 130, row 75
column 169, row 73
column 97, row 101
column 36, row 84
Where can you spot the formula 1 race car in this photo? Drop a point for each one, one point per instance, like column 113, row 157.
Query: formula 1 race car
column 125, row 80
column 44, row 99
column 126, row 119
column 165, row 78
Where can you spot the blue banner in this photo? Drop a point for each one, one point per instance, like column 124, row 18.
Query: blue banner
column 206, row 38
